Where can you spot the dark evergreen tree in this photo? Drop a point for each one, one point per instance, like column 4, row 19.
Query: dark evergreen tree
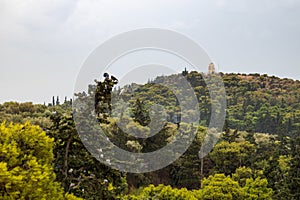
column 294, row 174
column 140, row 113
column 57, row 101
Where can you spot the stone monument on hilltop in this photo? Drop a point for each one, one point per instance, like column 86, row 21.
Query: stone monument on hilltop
column 211, row 68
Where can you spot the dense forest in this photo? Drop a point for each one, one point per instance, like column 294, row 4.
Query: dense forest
column 257, row 156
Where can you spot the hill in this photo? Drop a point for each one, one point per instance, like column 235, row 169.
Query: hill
column 257, row 154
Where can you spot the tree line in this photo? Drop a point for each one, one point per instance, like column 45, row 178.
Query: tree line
column 257, row 156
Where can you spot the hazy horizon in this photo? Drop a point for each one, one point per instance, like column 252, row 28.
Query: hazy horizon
column 62, row 98
column 44, row 43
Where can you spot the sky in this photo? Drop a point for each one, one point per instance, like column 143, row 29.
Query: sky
column 43, row 43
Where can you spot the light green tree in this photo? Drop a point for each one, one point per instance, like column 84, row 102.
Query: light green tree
column 26, row 164
column 229, row 156
column 257, row 189
column 162, row 192
column 220, row 187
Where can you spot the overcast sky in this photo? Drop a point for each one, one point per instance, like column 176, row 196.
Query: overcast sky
column 43, row 43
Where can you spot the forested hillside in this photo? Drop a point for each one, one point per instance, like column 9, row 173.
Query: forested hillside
column 256, row 103
column 257, row 157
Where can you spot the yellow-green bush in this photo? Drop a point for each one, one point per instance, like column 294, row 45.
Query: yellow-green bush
column 26, row 164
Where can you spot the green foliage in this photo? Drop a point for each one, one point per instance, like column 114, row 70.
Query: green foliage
column 257, row 189
column 241, row 175
column 162, row 192
column 217, row 187
column 23, row 112
column 220, row 187
column 140, row 113
column 186, row 171
column 229, row 156
column 294, row 172
column 260, row 133
column 26, row 164
column 78, row 171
